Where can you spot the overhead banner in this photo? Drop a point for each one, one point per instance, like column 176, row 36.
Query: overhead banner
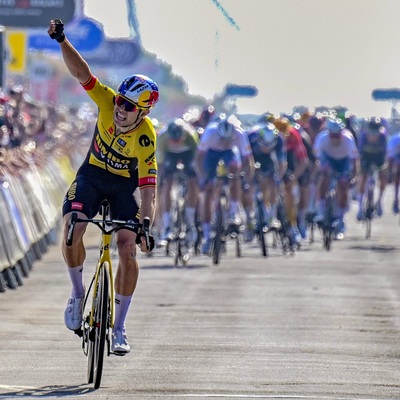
column 35, row 13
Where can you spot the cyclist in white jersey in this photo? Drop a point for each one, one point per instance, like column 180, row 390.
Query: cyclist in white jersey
column 222, row 141
column 337, row 152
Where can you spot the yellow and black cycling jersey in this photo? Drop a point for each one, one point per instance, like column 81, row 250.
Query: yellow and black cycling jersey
column 130, row 154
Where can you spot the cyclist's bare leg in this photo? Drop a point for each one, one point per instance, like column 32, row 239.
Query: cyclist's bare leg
column 290, row 202
column 234, row 184
column 193, row 192
column 75, row 254
column 382, row 182
column 270, row 193
column 192, row 199
column 165, row 204
column 323, row 186
column 342, row 197
column 207, row 208
column 128, row 269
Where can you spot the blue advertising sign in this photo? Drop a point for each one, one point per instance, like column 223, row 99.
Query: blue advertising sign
column 239, row 90
column 386, row 94
column 85, row 34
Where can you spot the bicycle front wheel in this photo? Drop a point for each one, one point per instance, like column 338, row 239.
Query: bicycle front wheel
column 260, row 231
column 328, row 229
column 98, row 331
column 219, row 231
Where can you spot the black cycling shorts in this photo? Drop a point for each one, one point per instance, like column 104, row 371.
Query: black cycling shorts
column 92, row 185
column 171, row 161
column 369, row 161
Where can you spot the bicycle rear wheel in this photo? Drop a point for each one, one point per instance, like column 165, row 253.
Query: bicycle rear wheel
column 98, row 332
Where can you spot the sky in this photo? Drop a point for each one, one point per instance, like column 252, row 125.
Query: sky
column 296, row 52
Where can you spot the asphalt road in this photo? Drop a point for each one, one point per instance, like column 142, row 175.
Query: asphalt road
column 317, row 325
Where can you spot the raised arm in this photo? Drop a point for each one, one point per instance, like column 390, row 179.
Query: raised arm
column 75, row 63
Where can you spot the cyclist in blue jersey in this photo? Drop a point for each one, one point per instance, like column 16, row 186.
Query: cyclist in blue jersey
column 372, row 146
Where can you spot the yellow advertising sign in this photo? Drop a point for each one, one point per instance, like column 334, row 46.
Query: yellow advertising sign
column 16, row 51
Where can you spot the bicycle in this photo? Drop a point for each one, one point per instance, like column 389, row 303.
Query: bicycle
column 282, row 235
column 98, row 323
column 177, row 245
column 221, row 229
column 330, row 222
column 369, row 204
column 260, row 212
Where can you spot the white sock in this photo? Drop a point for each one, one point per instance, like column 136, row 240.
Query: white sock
column 76, row 276
column 122, row 304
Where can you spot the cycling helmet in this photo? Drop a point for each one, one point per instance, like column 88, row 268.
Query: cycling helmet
column 315, row 123
column 282, row 124
column 226, row 129
column 375, row 126
column 176, row 129
column 140, row 90
column 267, row 134
column 334, row 126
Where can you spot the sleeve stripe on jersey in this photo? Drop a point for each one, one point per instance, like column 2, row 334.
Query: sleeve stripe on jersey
column 89, row 84
column 148, row 181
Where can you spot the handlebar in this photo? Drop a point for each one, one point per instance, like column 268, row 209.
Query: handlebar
column 110, row 226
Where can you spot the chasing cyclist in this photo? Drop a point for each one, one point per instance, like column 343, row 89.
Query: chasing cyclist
column 269, row 152
column 297, row 163
column 177, row 144
column 372, row 147
column 120, row 166
column 222, row 141
column 337, row 153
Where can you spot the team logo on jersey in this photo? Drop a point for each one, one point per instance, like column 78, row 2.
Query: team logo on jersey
column 121, row 142
column 145, row 141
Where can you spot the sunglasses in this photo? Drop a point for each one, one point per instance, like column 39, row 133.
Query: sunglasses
column 129, row 106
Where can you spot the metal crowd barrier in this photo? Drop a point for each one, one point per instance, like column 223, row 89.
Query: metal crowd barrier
column 30, row 212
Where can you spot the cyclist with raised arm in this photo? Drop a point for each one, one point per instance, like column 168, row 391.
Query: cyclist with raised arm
column 120, row 166
column 223, row 140
column 337, row 153
column 177, row 144
column 372, row 146
column 269, row 152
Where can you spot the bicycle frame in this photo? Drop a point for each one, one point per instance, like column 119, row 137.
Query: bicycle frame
column 105, row 256
column 330, row 199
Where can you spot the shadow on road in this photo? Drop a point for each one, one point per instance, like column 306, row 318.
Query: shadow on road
column 169, row 266
column 378, row 249
column 50, row 392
